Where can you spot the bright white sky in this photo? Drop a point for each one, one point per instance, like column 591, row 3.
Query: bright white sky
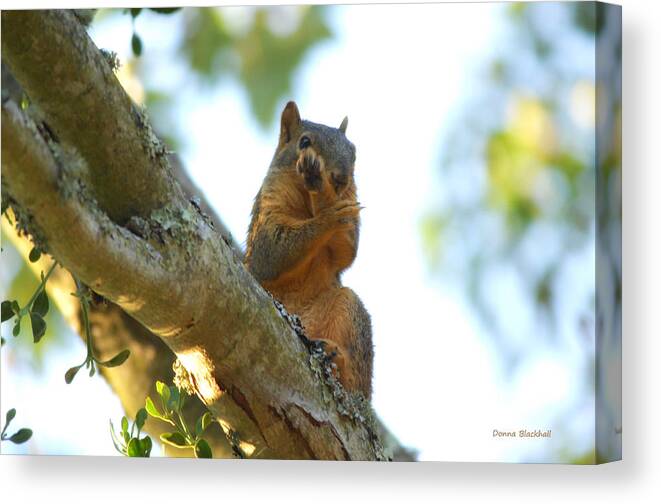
column 397, row 72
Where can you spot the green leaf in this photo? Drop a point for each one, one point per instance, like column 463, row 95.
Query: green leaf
column 152, row 409
column 207, row 419
column 160, row 386
column 136, row 44
column 21, row 436
column 125, row 425
column 71, row 373
column 202, row 449
column 202, row 423
column 17, row 328
column 41, row 304
column 117, row 360
column 133, row 448
column 7, row 311
column 35, row 255
column 174, row 439
column 10, row 416
column 173, row 402
column 135, row 13
column 15, row 307
column 140, row 418
column 164, row 391
column 146, row 444
column 38, row 326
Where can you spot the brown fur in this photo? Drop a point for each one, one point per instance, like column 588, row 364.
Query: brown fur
column 304, row 233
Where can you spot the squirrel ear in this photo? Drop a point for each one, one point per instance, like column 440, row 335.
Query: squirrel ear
column 289, row 121
column 343, row 126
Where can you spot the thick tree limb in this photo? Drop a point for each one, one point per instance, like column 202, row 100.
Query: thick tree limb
column 177, row 277
column 60, row 68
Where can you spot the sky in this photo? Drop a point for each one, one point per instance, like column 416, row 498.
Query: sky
column 438, row 382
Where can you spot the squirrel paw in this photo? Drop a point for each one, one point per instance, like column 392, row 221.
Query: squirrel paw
column 309, row 166
column 343, row 212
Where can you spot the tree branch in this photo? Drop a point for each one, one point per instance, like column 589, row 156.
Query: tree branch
column 60, row 68
column 175, row 275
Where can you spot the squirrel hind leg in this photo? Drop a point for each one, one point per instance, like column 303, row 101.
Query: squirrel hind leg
column 348, row 334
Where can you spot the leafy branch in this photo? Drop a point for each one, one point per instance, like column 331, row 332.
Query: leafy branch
column 36, row 307
column 172, row 401
column 20, row 436
column 131, row 445
column 84, row 294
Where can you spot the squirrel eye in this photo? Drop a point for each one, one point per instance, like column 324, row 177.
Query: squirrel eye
column 304, row 142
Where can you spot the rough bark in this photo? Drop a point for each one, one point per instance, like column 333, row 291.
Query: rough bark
column 158, row 257
column 76, row 85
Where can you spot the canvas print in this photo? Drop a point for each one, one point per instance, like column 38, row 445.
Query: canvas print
column 332, row 232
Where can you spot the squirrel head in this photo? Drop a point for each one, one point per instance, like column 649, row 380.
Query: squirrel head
column 328, row 146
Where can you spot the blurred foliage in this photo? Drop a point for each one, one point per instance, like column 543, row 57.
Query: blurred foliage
column 263, row 56
column 527, row 196
column 260, row 48
column 526, row 143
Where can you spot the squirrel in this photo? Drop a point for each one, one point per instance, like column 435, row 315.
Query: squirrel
column 303, row 234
